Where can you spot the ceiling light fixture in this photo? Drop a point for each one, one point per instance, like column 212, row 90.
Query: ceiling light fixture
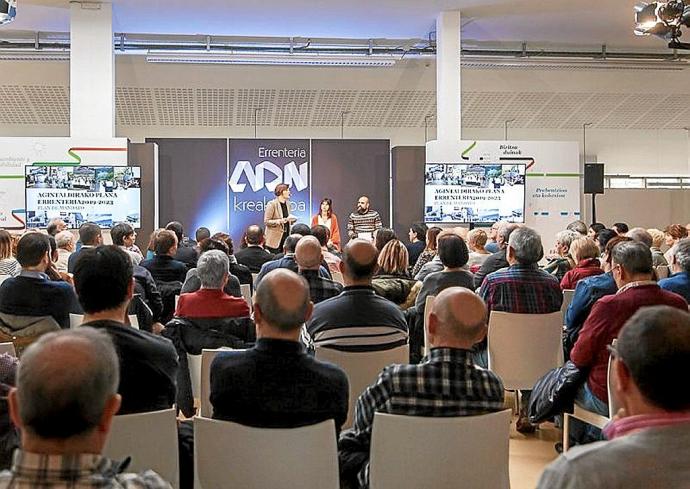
column 275, row 60
column 663, row 20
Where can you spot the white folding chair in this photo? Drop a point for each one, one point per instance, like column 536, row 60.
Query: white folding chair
column 75, row 320
column 133, row 321
column 150, row 439
column 362, row 368
column 4, row 277
column 207, row 356
column 247, row 295
column 231, row 455
column 428, row 304
column 194, row 365
column 411, row 452
column 567, row 299
column 8, row 348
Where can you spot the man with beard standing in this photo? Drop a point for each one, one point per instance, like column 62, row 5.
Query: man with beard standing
column 364, row 222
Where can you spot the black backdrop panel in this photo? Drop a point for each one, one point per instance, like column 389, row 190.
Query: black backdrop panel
column 345, row 169
column 408, row 187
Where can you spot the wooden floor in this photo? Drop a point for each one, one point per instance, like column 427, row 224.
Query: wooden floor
column 530, row 454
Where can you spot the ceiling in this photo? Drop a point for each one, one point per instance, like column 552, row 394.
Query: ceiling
column 577, row 22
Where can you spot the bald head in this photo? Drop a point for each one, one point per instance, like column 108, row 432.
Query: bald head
column 359, row 260
column 308, row 253
column 458, row 319
column 282, row 302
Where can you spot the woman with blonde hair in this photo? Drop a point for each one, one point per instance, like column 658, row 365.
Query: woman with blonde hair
column 657, row 242
column 476, row 240
column 9, row 266
column 585, row 252
column 673, row 233
column 392, row 280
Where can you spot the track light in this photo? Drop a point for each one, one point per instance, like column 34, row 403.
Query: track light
column 8, row 11
column 663, row 20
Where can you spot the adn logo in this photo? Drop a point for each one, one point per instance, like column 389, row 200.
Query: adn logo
column 298, row 179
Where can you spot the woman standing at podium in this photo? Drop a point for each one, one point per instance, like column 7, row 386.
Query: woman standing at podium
column 327, row 218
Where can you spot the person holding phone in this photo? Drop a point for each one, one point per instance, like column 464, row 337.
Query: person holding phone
column 277, row 219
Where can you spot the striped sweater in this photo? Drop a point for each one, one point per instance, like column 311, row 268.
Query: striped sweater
column 363, row 223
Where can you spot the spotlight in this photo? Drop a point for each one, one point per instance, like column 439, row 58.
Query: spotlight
column 8, row 11
column 662, row 19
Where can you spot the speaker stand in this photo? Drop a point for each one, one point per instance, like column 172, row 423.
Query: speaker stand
column 594, row 208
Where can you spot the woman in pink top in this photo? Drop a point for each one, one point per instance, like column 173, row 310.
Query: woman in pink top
column 586, row 254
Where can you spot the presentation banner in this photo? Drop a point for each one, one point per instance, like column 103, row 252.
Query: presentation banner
column 552, row 176
column 255, row 168
column 18, row 153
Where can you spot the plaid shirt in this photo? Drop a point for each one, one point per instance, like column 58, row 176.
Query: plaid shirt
column 320, row 288
column 363, row 223
column 84, row 471
column 522, row 289
column 445, row 384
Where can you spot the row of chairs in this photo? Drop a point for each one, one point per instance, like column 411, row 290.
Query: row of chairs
column 76, row 320
column 406, row 452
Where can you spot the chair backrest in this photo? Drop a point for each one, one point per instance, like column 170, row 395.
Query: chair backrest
column 247, row 295
column 8, row 348
column 4, row 277
column 523, row 347
column 428, row 304
column 567, row 299
column 75, row 320
column 194, row 365
column 409, row 452
column 662, row 271
column 338, row 277
column 362, row 368
column 612, row 401
column 207, row 356
column 150, row 439
column 231, row 455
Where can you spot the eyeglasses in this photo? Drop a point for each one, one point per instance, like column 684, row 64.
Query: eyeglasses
column 615, row 353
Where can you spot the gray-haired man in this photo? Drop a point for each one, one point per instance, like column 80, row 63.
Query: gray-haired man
column 78, row 371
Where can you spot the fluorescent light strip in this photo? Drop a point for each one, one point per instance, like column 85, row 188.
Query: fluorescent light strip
column 288, row 60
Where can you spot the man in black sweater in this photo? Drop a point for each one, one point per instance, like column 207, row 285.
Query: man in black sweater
column 254, row 255
column 276, row 384
column 163, row 267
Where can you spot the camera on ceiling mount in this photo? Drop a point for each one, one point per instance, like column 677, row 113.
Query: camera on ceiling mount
column 664, row 20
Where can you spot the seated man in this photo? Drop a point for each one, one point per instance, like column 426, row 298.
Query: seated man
column 309, row 255
column 497, row 260
column 163, row 267
column 254, row 255
column 210, row 301
column 31, row 293
column 186, row 248
column 632, row 271
column 446, row 383
column 192, row 283
column 276, row 384
column 561, row 262
column 679, row 282
column 649, row 439
column 522, row 288
column 287, row 260
column 62, row 440
column 358, row 307
column 66, row 246
column 104, row 282
column 90, row 236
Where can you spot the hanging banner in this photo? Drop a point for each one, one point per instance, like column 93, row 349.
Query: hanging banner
column 255, row 168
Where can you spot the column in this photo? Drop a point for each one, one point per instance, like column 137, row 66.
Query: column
column 92, row 71
column 448, row 89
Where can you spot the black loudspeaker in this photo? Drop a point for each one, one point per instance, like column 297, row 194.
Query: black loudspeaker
column 594, row 178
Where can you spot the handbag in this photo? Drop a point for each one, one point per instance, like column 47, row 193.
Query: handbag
column 555, row 392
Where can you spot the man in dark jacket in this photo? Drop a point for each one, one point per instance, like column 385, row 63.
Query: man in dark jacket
column 163, row 266
column 497, row 260
column 186, row 248
column 254, row 255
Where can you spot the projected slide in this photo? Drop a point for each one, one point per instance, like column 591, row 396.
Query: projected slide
column 104, row 195
column 461, row 193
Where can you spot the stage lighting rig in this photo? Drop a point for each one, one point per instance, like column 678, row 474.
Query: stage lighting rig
column 664, row 20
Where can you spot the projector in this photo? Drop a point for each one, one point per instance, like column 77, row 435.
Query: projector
column 8, row 11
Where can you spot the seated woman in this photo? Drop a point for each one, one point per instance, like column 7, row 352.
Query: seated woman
column 476, row 240
column 562, row 262
column 392, row 280
column 585, row 252
column 429, row 252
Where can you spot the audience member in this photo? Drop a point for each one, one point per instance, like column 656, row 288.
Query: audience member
column 322, row 234
column 658, row 239
column 62, row 440
column 603, row 237
column 382, row 236
column 392, row 279
column 649, row 438
column 446, row 383
column 578, row 226
column 276, row 384
column 66, row 246
column 288, row 260
column 417, row 236
column 498, row 259
column 123, row 235
column 90, row 237
column 210, row 301
column 150, row 253
column 632, row 271
column 679, row 282
column 8, row 263
column 476, row 242
column 192, row 282
column 243, row 274
column 673, row 234
column 309, row 254
column 429, row 252
column 103, row 278
column 32, row 294
column 620, row 228
column 359, row 307
column 492, row 245
column 585, row 252
column 301, row 229
column 254, row 255
column 186, row 248
column 522, row 288
column 201, row 234
column 55, row 226
column 594, row 229
column 562, row 262
column 163, row 266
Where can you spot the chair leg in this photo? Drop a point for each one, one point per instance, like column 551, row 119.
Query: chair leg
column 566, row 432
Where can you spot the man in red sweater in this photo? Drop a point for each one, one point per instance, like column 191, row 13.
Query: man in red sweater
column 632, row 271
column 210, row 301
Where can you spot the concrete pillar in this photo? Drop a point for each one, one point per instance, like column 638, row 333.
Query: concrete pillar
column 92, row 70
column 448, row 88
